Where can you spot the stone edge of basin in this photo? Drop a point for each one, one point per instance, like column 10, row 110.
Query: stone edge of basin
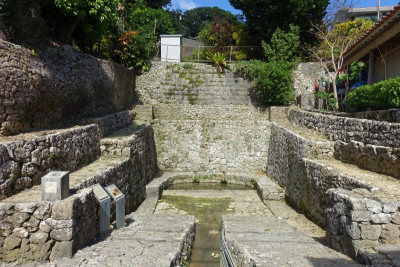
column 266, row 188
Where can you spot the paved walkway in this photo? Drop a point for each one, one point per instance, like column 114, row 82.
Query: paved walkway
column 148, row 240
column 268, row 241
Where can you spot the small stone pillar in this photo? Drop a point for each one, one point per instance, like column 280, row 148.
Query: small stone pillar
column 55, row 186
column 119, row 198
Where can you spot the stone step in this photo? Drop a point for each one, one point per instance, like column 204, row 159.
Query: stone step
column 194, row 112
column 147, row 240
column 268, row 241
column 383, row 186
column 116, row 155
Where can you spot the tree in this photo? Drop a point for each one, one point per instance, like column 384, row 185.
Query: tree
column 265, row 16
column 283, row 47
column 195, row 19
column 217, row 34
column 151, row 3
column 273, row 79
column 333, row 44
column 176, row 20
column 93, row 16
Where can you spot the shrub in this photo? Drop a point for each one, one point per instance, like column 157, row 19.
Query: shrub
column 382, row 95
column 219, row 60
column 273, row 80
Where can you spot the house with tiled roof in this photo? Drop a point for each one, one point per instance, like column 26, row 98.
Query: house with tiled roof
column 379, row 48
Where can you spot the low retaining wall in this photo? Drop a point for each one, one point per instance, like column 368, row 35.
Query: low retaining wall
column 348, row 129
column 372, row 145
column 305, row 181
column 110, row 123
column 389, row 115
column 44, row 230
column 358, row 220
column 380, row 159
column 23, row 163
column 41, row 231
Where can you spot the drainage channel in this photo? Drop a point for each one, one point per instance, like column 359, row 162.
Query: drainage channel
column 208, row 202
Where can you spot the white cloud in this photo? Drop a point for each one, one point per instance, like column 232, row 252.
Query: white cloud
column 184, row 4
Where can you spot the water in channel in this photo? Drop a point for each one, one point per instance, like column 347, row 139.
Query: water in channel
column 207, row 202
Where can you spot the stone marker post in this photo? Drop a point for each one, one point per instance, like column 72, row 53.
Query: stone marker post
column 119, row 198
column 104, row 206
column 55, row 186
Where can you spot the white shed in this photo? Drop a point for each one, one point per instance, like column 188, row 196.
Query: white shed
column 171, row 47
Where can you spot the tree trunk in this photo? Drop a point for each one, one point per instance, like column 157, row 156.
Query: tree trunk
column 335, row 91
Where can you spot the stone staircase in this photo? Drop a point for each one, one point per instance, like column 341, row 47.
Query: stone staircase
column 192, row 83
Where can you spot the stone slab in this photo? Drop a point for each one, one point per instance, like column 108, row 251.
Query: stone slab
column 268, row 241
column 148, row 240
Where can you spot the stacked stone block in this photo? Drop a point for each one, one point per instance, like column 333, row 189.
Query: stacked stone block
column 43, row 230
column 58, row 86
column 24, row 162
column 358, row 220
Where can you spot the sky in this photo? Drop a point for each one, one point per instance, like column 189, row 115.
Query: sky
column 224, row 4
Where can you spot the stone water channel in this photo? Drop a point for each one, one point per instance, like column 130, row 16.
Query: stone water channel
column 208, row 202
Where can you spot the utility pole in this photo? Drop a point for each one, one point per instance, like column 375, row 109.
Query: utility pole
column 377, row 7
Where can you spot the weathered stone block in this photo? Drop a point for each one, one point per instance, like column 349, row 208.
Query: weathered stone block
column 63, row 234
column 390, row 233
column 39, row 237
column 370, row 232
column 381, row 218
column 11, row 242
column 20, row 232
column 396, row 218
column 43, row 211
column 66, row 209
column 63, row 249
column 360, row 216
column 390, row 207
column 26, row 207
column 373, row 206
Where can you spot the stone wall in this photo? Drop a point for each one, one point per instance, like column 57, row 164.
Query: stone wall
column 110, row 123
column 24, row 162
column 191, row 83
column 389, row 115
column 358, row 220
column 287, row 167
column 349, row 129
column 43, row 230
column 212, row 145
column 50, row 88
column 304, row 77
column 370, row 144
column 380, row 159
column 140, row 147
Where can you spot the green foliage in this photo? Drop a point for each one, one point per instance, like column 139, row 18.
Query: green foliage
column 284, row 45
column 219, row 60
column 194, row 20
column 265, row 16
column 329, row 97
column 273, row 80
column 382, row 95
column 217, row 34
column 355, row 70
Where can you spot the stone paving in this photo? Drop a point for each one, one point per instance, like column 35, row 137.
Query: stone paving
column 148, row 240
column 268, row 241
